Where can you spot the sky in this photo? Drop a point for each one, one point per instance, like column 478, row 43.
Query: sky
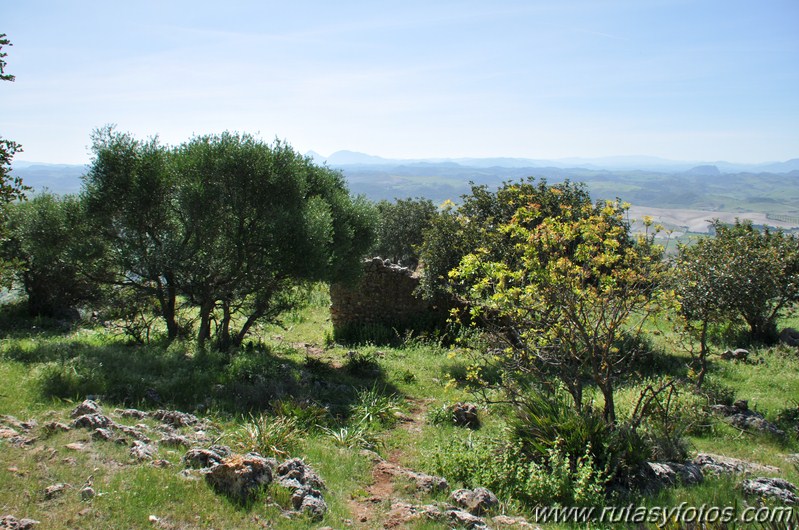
column 685, row 80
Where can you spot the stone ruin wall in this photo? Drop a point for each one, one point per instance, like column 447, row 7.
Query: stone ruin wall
column 383, row 295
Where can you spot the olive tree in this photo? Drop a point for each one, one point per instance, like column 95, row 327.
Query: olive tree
column 401, row 225
column 51, row 239
column 11, row 187
column 265, row 221
column 234, row 226
column 743, row 273
column 129, row 192
column 703, row 298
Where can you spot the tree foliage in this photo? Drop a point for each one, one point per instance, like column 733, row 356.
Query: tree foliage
column 401, row 226
column 743, row 273
column 51, row 239
column 476, row 222
column 129, row 194
column 11, row 187
column 232, row 224
column 563, row 291
column 263, row 220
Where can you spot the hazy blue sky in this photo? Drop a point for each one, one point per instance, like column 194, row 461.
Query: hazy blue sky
column 691, row 80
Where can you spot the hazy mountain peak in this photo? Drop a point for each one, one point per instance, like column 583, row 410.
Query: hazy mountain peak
column 704, row 171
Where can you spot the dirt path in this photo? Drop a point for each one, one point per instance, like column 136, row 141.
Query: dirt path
column 367, row 511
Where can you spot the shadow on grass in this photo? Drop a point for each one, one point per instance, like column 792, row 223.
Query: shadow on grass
column 250, row 380
column 179, row 375
column 16, row 322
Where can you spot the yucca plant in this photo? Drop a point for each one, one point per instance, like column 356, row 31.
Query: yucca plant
column 353, row 437
column 375, row 407
column 277, row 436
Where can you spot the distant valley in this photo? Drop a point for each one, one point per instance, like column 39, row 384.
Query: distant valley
column 679, row 195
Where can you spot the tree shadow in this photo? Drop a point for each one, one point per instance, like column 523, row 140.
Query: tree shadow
column 251, row 380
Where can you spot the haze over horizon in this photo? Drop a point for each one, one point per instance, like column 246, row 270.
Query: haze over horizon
column 678, row 80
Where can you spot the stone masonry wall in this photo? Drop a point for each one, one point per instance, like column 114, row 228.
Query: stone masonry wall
column 383, row 295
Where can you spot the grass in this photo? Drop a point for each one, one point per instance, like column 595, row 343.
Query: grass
column 287, row 394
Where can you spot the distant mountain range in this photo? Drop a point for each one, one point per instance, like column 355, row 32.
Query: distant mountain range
column 770, row 188
column 646, row 163
column 57, row 178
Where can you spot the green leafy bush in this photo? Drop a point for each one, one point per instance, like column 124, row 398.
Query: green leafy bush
column 400, row 228
column 506, row 469
column 50, row 236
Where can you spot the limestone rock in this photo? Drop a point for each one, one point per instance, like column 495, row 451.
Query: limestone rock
column 741, row 417
column 201, row 458
column 137, row 433
column 401, row 513
column 131, row 413
column 14, row 423
column 465, row 415
column 673, row 473
column 477, row 501
column 7, row 433
column 240, row 477
column 175, row 418
column 775, row 488
column 515, row 522
column 12, row 434
column 55, row 490
column 87, row 407
column 423, row 481
column 735, row 355
column 466, row 520
column 93, row 421
column 105, row 435
column 309, row 501
column 314, row 507
column 142, row 451
column 55, row 426
column 428, row 483
column 174, row 440
column 711, row 464
column 297, row 470
column 9, row 522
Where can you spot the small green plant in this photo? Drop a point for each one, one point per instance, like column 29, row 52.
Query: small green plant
column 307, row 414
column 277, row 436
column 440, row 415
column 408, row 377
column 788, row 418
column 71, row 379
column 373, row 406
column 357, row 436
column 506, row 469
column 280, row 495
column 362, row 364
column 716, row 392
column 544, row 422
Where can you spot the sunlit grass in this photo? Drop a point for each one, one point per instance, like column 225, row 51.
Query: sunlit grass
column 283, row 371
